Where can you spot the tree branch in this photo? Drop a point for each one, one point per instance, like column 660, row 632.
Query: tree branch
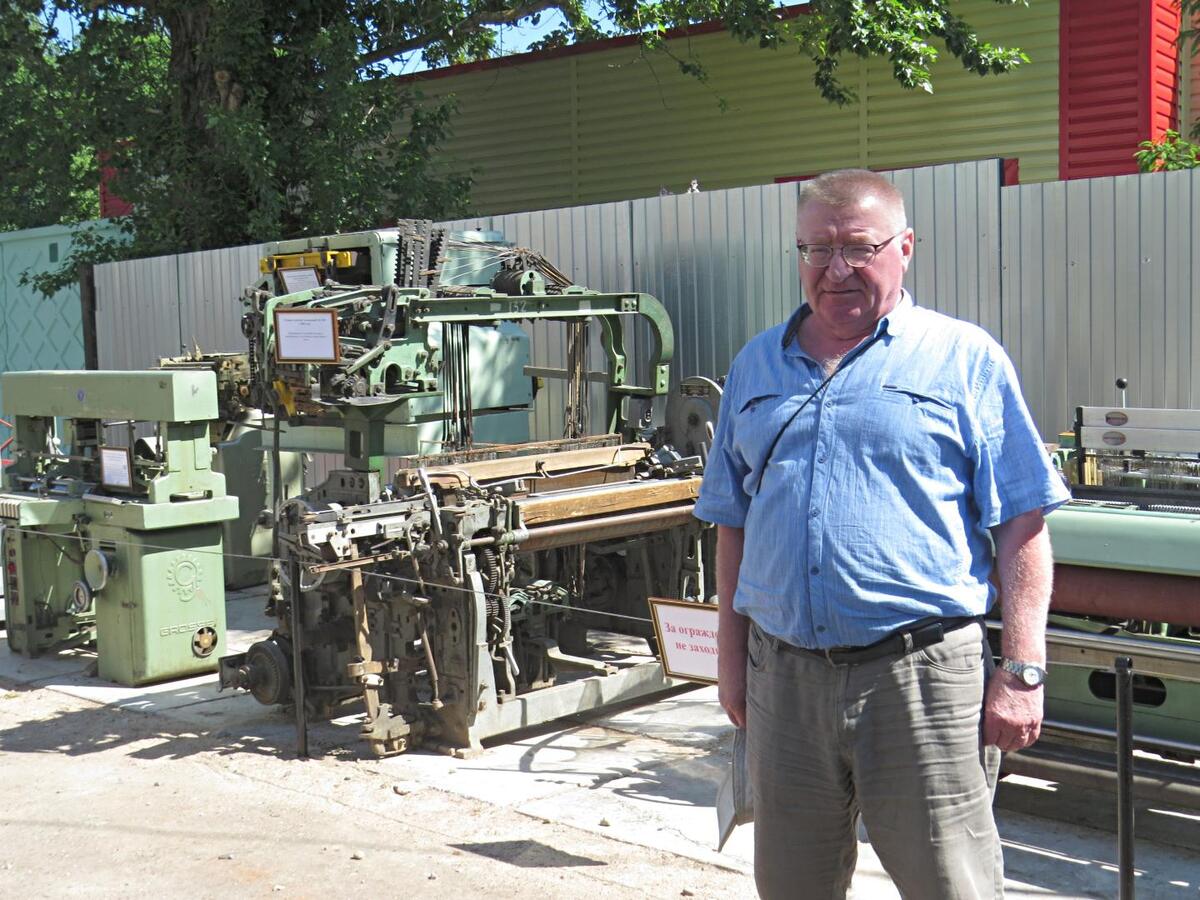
column 471, row 23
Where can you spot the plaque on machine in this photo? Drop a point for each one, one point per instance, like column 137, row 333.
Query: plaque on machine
column 306, row 336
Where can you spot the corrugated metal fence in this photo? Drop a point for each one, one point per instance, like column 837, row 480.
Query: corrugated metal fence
column 1081, row 281
column 1100, row 281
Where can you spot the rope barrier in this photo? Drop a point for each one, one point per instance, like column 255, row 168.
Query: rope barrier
column 283, row 561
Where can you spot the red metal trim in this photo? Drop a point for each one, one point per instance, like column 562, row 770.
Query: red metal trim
column 520, row 59
column 1010, row 171
column 1145, row 53
column 1164, row 66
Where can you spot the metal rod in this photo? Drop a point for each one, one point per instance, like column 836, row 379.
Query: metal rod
column 276, row 477
column 1093, row 651
column 623, row 525
column 1123, row 666
column 297, row 661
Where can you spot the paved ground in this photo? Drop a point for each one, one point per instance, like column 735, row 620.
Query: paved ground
column 119, row 792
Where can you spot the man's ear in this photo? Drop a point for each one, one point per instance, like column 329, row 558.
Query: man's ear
column 908, row 244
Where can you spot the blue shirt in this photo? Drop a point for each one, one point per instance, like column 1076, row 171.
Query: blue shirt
column 874, row 508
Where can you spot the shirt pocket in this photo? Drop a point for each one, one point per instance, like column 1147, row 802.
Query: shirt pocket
column 907, row 428
column 758, row 421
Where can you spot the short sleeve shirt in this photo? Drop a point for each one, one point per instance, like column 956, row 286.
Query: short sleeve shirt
column 873, row 508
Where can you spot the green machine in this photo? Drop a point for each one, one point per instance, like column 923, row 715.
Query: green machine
column 241, row 437
column 1127, row 576
column 342, row 346
column 112, row 517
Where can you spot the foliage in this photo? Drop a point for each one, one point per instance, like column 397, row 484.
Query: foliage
column 902, row 31
column 49, row 174
column 1170, row 153
column 236, row 121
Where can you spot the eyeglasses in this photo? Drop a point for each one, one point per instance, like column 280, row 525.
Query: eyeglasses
column 857, row 256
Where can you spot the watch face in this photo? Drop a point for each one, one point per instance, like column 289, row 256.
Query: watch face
column 1030, row 676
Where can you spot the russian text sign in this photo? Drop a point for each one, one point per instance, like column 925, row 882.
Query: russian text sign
column 687, row 638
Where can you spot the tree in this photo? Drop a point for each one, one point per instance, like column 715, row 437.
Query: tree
column 47, row 177
column 235, row 121
column 825, row 30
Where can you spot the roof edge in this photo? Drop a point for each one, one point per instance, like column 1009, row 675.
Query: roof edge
column 613, row 43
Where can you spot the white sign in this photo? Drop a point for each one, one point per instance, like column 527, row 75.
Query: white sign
column 116, row 469
column 687, row 638
column 300, row 279
column 306, row 335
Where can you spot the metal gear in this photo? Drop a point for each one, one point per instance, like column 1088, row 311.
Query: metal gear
column 268, row 673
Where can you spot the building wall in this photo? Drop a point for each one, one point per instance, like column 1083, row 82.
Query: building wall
column 1189, row 85
column 617, row 123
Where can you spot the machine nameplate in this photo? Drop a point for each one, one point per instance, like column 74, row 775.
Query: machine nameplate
column 186, row 628
column 1161, row 440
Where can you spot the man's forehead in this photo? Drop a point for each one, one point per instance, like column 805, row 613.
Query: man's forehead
column 865, row 213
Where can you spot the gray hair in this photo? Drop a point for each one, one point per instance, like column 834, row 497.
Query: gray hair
column 850, row 187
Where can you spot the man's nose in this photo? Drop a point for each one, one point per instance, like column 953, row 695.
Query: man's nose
column 838, row 271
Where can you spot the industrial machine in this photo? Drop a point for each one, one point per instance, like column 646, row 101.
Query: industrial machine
column 459, row 583
column 341, row 344
column 241, row 437
column 1127, row 577
column 112, row 515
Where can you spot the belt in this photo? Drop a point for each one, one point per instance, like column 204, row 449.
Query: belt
column 925, row 633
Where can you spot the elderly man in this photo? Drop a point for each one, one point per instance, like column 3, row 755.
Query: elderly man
column 873, row 462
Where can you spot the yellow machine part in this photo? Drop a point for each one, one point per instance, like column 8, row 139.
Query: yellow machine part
column 310, row 259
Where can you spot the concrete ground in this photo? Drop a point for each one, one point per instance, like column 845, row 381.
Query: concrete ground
column 176, row 789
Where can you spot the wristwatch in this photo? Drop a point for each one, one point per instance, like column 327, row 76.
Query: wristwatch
column 1031, row 674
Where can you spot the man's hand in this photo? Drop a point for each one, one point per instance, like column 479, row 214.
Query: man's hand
column 731, row 684
column 1012, row 712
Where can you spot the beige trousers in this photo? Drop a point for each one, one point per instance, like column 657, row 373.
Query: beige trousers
column 895, row 740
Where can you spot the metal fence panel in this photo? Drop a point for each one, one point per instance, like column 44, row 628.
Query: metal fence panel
column 137, row 312
column 210, row 297
column 1081, row 281
column 1100, row 282
column 722, row 263
column 955, row 212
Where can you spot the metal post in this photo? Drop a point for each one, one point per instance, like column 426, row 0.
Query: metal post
column 276, row 478
column 297, row 664
column 1123, row 665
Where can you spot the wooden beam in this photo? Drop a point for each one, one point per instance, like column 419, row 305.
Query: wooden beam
column 639, row 495
column 528, row 466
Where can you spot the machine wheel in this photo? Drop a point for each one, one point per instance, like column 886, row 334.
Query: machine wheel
column 268, row 673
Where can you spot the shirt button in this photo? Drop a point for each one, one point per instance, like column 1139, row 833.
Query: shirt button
column 814, row 512
column 821, row 458
column 820, row 628
column 815, row 570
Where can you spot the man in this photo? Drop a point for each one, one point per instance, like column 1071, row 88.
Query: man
column 872, row 463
